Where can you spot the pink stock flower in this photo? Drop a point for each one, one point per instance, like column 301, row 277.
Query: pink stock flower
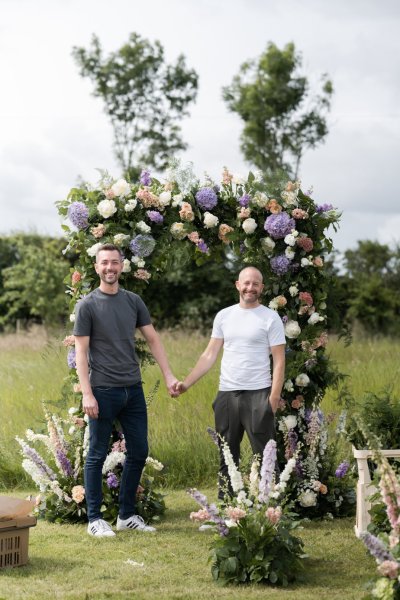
column 75, row 277
column 273, row 514
column 298, row 213
column 389, row 568
column 226, row 176
column 201, row 515
column 235, row 513
column 119, row 446
column 142, row 274
column 147, row 198
column 78, row 422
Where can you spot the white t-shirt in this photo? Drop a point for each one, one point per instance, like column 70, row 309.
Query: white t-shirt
column 248, row 334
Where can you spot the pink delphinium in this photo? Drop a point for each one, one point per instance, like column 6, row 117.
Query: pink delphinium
column 201, row 515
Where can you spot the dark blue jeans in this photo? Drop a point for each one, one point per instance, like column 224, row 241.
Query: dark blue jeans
column 128, row 405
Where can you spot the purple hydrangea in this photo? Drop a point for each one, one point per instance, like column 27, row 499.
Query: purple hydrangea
column 279, row 225
column 112, row 480
column 155, row 216
column 323, row 208
column 342, row 469
column 244, row 200
column 145, row 178
column 78, row 214
column 206, row 198
column 280, row 264
column 71, row 358
column 142, row 245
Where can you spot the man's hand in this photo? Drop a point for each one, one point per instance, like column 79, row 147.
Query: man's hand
column 90, row 406
column 181, row 387
column 172, row 386
column 274, row 402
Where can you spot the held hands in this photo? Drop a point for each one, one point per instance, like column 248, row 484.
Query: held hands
column 176, row 388
column 90, row 406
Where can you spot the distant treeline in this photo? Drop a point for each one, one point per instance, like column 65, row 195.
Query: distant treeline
column 365, row 288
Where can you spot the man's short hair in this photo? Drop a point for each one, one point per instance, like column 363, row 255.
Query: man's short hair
column 110, row 247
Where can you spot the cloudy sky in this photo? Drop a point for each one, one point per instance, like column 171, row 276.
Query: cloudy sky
column 53, row 130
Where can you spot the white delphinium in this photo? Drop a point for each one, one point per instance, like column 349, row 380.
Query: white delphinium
column 254, row 477
column 235, row 475
column 38, row 475
column 280, row 487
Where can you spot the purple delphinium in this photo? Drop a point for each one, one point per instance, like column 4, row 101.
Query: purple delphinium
column 212, row 510
column 206, row 198
column 142, row 245
column 71, row 358
column 155, row 216
column 280, row 264
column 78, row 214
column 342, row 469
column 320, row 208
column 267, row 470
column 279, row 225
column 145, row 178
column 202, row 246
column 292, row 439
column 35, row 457
column 244, row 200
column 376, row 547
column 64, row 463
column 112, row 480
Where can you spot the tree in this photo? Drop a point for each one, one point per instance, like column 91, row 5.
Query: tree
column 282, row 117
column 144, row 97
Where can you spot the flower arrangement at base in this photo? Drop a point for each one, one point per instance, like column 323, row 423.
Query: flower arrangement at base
column 58, row 472
column 253, row 539
column 385, row 547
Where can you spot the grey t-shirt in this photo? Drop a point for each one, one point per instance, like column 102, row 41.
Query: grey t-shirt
column 110, row 320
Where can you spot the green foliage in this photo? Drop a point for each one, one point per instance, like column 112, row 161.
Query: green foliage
column 258, row 552
column 144, row 97
column 282, row 117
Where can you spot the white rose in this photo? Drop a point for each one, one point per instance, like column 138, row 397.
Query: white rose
column 119, row 238
column 249, row 225
column 139, row 262
column 130, row 205
column 267, row 244
column 305, row 262
column 308, row 498
column 178, row 199
column 210, row 220
column 126, row 266
column 302, row 380
column 106, row 208
column 92, row 251
column 288, row 386
column 289, row 253
column 287, row 423
column 290, row 239
column 293, row 290
column 143, row 227
column 165, row 198
column 238, row 179
column 292, row 329
column 315, row 318
column 121, row 188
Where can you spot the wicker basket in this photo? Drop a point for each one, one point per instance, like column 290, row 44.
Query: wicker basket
column 14, row 540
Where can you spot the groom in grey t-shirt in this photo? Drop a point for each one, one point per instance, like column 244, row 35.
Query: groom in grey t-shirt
column 248, row 395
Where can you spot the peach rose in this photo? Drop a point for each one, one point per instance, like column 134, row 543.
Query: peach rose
column 274, row 207
column 78, row 493
column 98, row 231
column 223, row 232
column 186, row 213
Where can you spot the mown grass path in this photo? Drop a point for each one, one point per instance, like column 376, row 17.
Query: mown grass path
column 66, row 563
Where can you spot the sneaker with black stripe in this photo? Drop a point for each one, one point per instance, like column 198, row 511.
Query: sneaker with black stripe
column 100, row 528
column 135, row 522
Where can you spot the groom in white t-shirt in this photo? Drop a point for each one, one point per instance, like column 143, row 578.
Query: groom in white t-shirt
column 248, row 395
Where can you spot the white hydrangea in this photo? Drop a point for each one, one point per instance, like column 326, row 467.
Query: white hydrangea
column 305, row 262
column 121, row 188
column 267, row 244
column 120, row 238
column 139, row 262
column 106, row 208
column 210, row 220
column 292, row 329
column 302, row 380
column 249, row 225
column 293, row 290
column 130, row 205
column 308, row 498
column 290, row 239
column 289, row 253
column 143, row 227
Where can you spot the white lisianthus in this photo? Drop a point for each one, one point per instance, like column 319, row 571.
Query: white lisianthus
column 121, row 188
column 260, row 199
column 177, row 200
column 289, row 253
column 288, row 386
column 302, row 380
column 178, row 231
column 165, row 198
column 92, row 251
column 315, row 318
column 249, row 225
column 106, row 208
column 143, row 227
column 72, row 317
column 120, row 238
column 267, row 244
column 305, row 262
column 130, row 205
column 126, row 266
column 308, row 498
column 292, row 329
column 112, row 460
column 138, row 261
column 210, row 220
column 238, row 179
column 293, row 290
column 290, row 239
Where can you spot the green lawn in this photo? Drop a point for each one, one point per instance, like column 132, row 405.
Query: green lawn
column 66, row 563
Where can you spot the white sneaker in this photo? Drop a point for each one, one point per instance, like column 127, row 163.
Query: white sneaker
column 133, row 522
column 100, row 528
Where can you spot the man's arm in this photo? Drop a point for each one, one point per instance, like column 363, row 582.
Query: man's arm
column 157, row 349
column 278, row 375
column 89, row 402
column 203, row 365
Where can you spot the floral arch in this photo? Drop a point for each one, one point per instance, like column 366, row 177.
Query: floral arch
column 279, row 229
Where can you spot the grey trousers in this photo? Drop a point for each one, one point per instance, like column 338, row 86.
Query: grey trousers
column 242, row 411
